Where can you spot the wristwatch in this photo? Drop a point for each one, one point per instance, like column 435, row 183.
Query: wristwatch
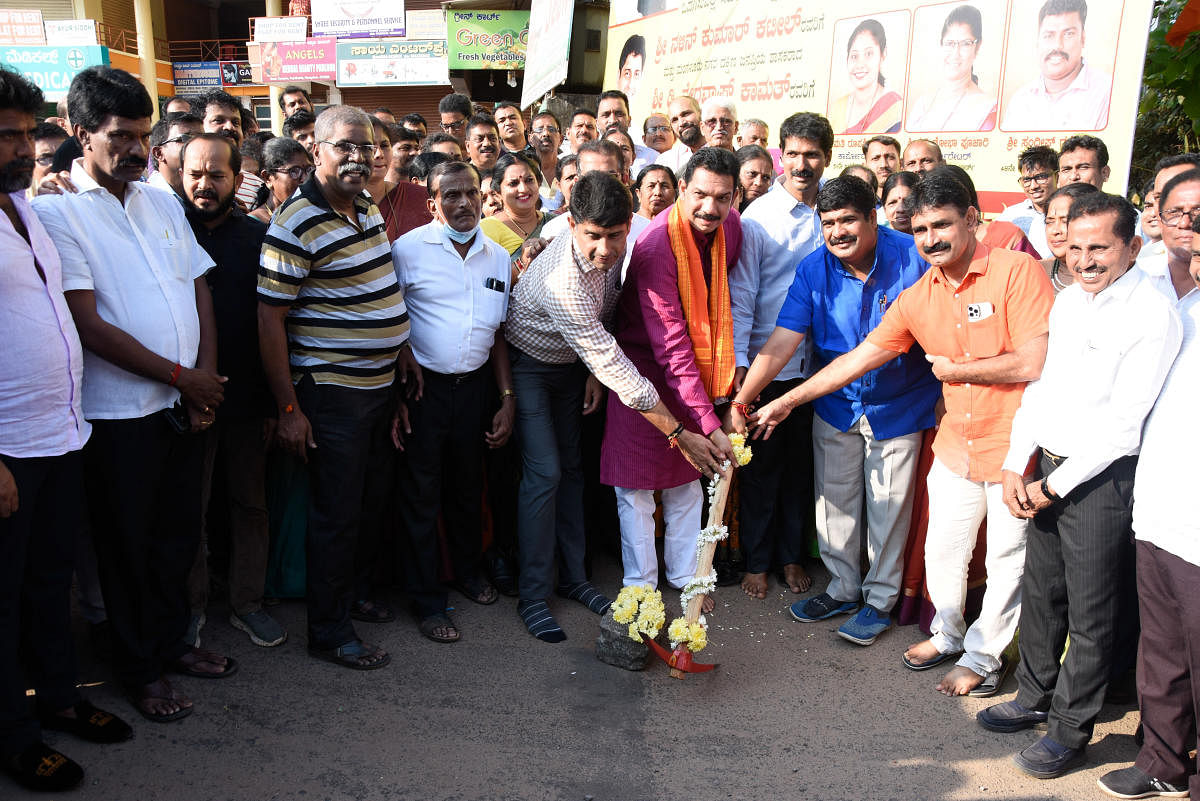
column 1049, row 493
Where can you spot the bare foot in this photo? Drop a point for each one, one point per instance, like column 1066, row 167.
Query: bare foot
column 921, row 652
column 797, row 580
column 160, row 700
column 755, row 585
column 708, row 604
column 959, row 681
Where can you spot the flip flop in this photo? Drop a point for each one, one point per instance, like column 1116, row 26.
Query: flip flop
column 992, row 682
column 139, row 696
column 428, row 626
column 930, row 663
column 185, row 669
column 477, row 590
column 348, row 655
column 371, row 612
column 90, row 723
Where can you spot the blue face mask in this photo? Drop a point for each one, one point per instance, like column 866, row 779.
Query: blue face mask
column 461, row 237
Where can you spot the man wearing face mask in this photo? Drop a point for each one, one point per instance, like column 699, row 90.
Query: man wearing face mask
column 980, row 314
column 455, row 282
column 239, row 436
column 325, row 262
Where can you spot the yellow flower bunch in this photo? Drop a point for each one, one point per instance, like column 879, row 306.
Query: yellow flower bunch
column 642, row 608
column 741, row 451
column 693, row 634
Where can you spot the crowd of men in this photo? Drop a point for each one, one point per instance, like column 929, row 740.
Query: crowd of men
column 292, row 292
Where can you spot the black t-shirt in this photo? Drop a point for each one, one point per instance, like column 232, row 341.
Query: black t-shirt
column 67, row 152
column 235, row 245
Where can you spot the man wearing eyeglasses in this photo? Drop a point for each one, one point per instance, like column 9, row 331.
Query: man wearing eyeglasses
column 545, row 138
column 657, row 133
column 454, row 110
column 1178, row 209
column 1038, row 166
column 332, row 323
column 46, row 139
column 718, row 120
column 1068, row 94
column 166, row 141
column 1152, row 256
column 1083, row 159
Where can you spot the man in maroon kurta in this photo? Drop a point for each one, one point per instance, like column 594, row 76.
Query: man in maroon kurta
column 653, row 330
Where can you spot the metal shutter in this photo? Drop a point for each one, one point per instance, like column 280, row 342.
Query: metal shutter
column 400, row 99
column 51, row 9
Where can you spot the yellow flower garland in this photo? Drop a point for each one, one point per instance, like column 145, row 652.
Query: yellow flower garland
column 695, row 635
column 642, row 608
column 741, row 452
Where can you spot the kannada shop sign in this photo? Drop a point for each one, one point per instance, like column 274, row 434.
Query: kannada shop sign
column 190, row 75
column 353, row 18
column 236, row 73
column 285, row 62
column 53, row 68
column 487, row 40
column 392, row 62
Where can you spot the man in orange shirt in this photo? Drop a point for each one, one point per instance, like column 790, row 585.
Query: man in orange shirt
column 981, row 315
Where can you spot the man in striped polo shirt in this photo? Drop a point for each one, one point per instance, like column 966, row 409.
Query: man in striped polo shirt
column 332, row 323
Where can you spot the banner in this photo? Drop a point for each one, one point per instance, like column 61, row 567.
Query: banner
column 975, row 77
column 65, row 32
column 21, row 27
column 353, row 18
column 236, row 73
column 487, row 40
column 287, row 62
column 280, row 29
column 429, row 24
column 392, row 62
column 549, row 48
column 53, row 68
column 189, row 75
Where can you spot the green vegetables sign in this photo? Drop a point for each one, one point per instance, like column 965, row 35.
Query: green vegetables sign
column 487, row 40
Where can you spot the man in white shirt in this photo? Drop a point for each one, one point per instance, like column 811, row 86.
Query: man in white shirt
column 1067, row 94
column 1169, row 259
column 718, row 120
column 133, row 275
column 684, row 113
column 780, row 228
column 1038, row 168
column 657, row 133
column 455, row 285
column 582, row 129
column 1113, row 338
column 42, row 430
column 612, row 114
column 1166, row 527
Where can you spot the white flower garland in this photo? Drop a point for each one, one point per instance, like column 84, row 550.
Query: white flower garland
column 701, row 585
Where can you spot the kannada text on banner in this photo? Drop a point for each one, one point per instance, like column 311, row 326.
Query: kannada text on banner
column 973, row 77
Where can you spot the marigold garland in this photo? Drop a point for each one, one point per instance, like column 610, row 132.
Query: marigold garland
column 642, row 608
column 741, row 451
column 694, row 635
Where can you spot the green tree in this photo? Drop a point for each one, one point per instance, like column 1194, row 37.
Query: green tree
column 1169, row 109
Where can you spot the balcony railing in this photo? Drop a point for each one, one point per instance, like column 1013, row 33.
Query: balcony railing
column 208, row 50
column 126, row 41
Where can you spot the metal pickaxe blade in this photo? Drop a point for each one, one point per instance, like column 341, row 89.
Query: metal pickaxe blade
column 680, row 660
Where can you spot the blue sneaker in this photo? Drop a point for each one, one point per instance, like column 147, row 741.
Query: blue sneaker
column 821, row 607
column 865, row 627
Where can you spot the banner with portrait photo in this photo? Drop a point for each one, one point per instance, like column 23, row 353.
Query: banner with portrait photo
column 985, row 80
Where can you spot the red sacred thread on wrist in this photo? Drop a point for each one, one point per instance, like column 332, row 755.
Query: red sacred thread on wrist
column 175, row 371
column 673, row 437
column 744, row 408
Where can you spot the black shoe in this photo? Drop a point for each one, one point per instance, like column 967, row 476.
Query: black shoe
column 1047, row 759
column 502, row 572
column 1133, row 782
column 42, row 769
column 1010, row 717
column 90, row 723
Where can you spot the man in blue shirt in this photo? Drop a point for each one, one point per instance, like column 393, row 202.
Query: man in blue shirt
column 866, row 436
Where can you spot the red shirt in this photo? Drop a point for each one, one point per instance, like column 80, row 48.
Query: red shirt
column 1003, row 302
column 404, row 208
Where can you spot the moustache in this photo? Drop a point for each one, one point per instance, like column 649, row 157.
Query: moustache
column 939, row 247
column 131, row 164
column 708, row 217
column 16, row 174
column 207, row 194
column 354, row 169
column 848, row 239
column 1056, row 53
column 805, row 174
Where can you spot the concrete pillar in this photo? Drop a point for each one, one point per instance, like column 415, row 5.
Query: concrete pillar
column 275, row 9
column 145, row 42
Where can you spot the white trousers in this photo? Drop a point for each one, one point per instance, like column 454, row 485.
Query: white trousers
column 849, row 466
column 681, row 513
column 956, row 508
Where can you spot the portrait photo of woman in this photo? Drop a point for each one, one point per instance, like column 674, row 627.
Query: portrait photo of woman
column 951, row 97
column 865, row 103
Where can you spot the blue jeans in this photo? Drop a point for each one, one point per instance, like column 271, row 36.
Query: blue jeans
column 550, row 500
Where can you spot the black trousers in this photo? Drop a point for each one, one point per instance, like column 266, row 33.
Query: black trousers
column 37, row 549
column 442, row 470
column 1079, row 581
column 1168, row 671
column 347, row 480
column 143, row 487
column 777, row 489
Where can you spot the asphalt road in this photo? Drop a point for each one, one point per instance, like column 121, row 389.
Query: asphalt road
column 793, row 712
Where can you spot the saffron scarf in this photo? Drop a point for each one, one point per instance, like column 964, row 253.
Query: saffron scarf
column 708, row 313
